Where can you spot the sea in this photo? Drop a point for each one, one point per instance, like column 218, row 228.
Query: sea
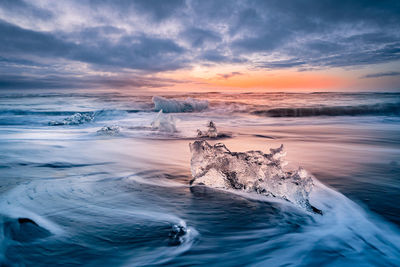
column 102, row 178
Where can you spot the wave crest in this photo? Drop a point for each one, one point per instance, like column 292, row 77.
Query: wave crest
column 376, row 109
column 177, row 106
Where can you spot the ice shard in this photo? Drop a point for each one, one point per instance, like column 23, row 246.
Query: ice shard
column 176, row 235
column 211, row 132
column 252, row 171
column 164, row 123
column 109, row 130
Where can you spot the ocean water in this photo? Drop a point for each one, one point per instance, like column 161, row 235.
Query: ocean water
column 73, row 195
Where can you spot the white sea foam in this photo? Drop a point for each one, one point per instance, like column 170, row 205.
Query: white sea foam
column 76, row 119
column 359, row 236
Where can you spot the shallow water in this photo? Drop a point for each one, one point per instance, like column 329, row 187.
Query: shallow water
column 99, row 199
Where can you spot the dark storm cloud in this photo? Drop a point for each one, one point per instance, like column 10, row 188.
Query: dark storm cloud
column 17, row 61
column 387, row 53
column 156, row 10
column 18, row 41
column 157, row 35
column 159, row 9
column 199, row 37
column 65, row 81
column 139, row 52
column 214, row 56
column 282, row 64
column 321, row 33
column 13, row 7
column 265, row 43
column 135, row 52
column 382, row 74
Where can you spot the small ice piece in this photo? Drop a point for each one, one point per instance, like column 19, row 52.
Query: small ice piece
column 164, row 123
column 252, row 171
column 173, row 105
column 176, row 234
column 109, row 130
column 23, row 229
column 76, row 119
column 210, row 133
column 277, row 155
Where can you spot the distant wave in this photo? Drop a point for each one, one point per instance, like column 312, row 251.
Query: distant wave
column 61, row 117
column 84, row 117
column 376, row 109
column 77, row 118
column 31, row 112
column 62, row 113
column 173, row 105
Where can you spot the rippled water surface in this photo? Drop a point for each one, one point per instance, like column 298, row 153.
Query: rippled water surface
column 72, row 195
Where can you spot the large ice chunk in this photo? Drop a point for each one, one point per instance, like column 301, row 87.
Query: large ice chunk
column 164, row 123
column 252, row 171
column 173, row 105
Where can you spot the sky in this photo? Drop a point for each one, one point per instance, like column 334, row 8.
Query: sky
column 282, row 45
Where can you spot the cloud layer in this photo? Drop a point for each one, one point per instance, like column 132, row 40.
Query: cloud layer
column 91, row 39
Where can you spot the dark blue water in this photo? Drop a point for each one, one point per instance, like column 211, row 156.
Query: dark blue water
column 70, row 195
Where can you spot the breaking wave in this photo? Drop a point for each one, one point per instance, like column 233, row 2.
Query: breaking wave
column 375, row 109
column 32, row 112
column 66, row 113
column 76, row 119
column 84, row 117
column 345, row 234
column 177, row 106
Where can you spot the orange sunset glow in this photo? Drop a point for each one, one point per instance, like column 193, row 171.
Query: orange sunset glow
column 257, row 80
